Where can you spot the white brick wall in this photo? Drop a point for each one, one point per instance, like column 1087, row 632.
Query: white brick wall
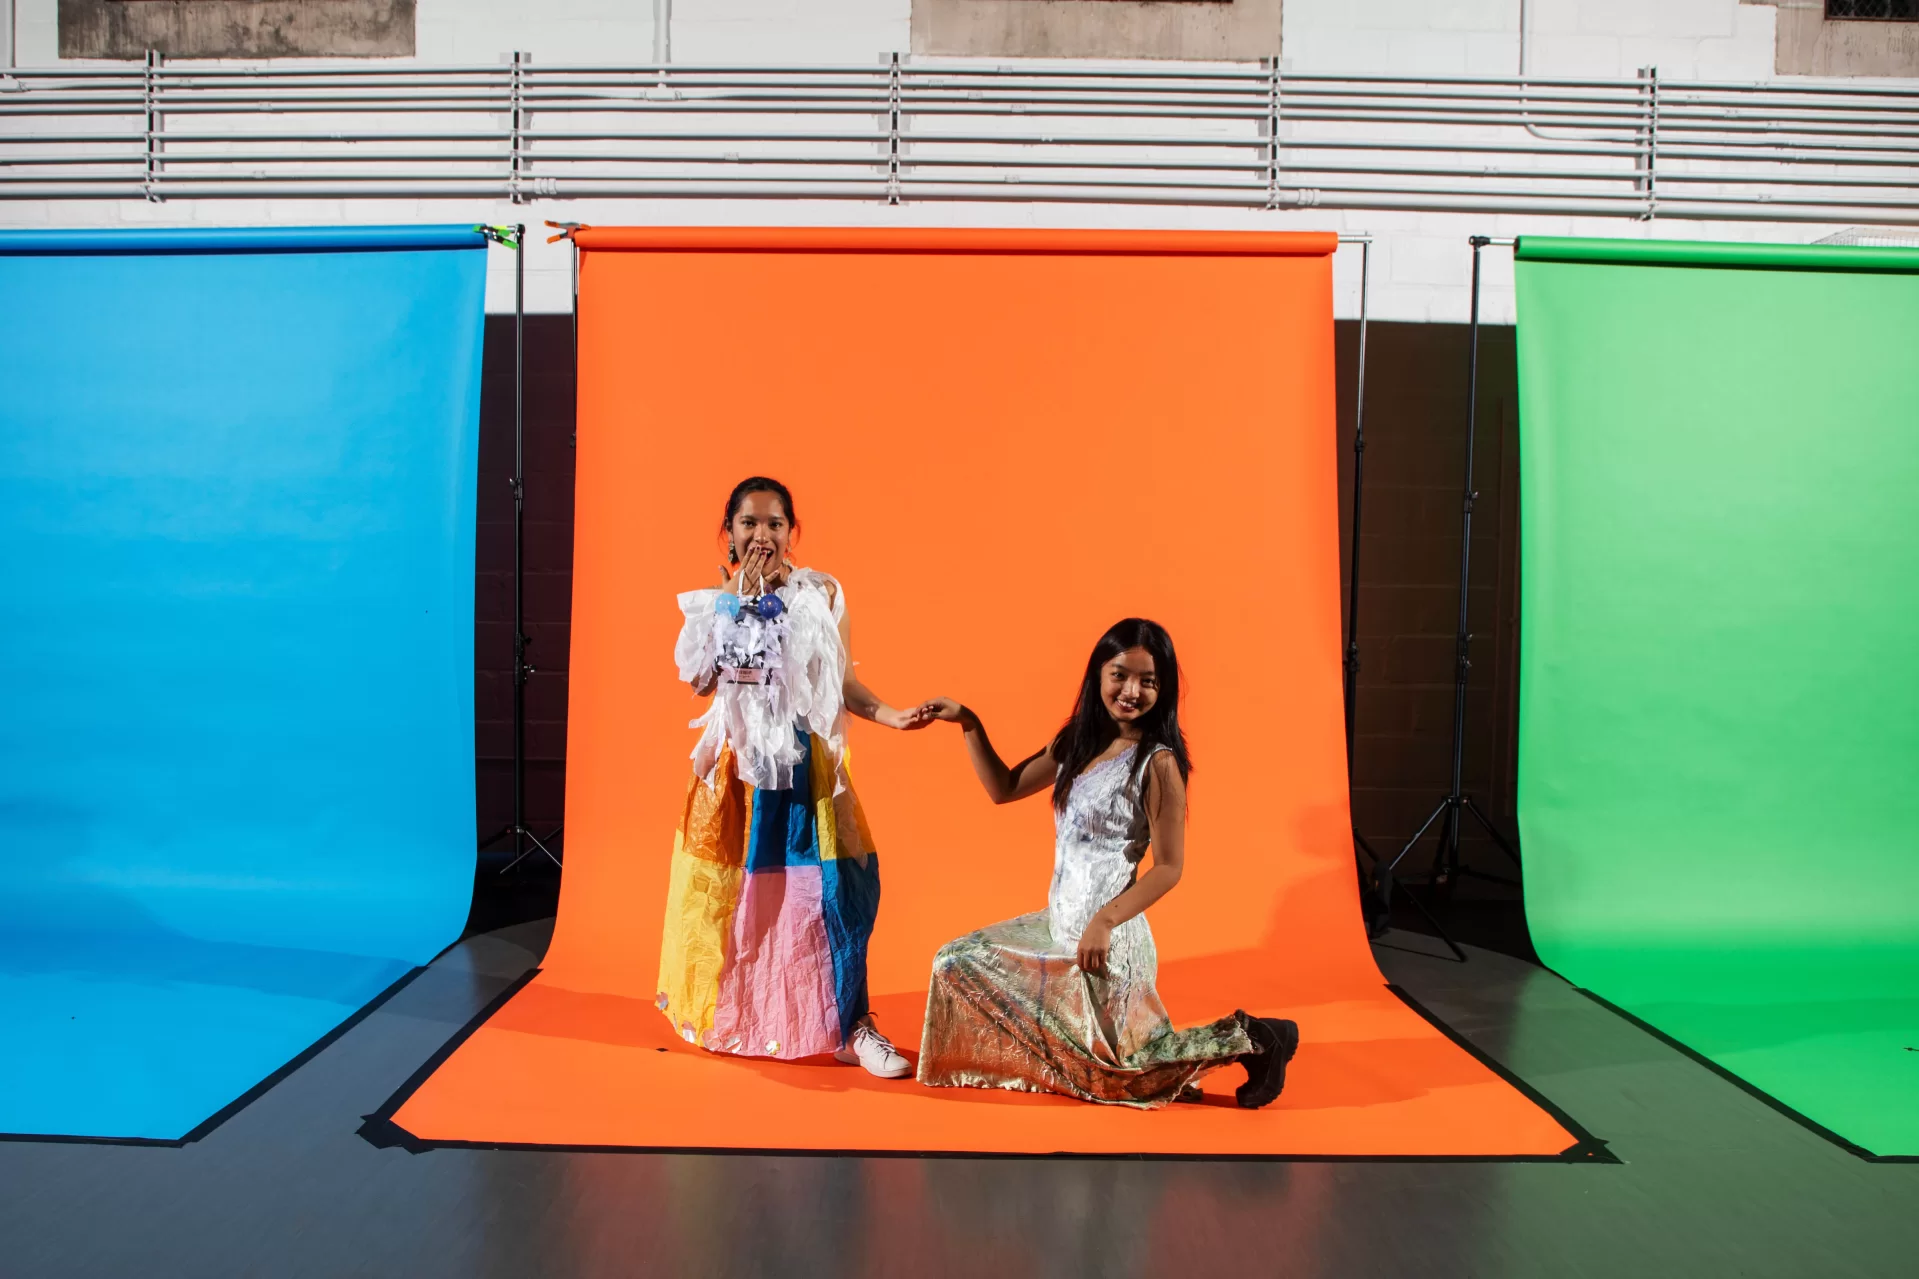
column 1420, row 261
column 1685, row 39
column 816, row 31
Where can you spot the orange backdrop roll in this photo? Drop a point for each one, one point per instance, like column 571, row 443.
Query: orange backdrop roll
column 1000, row 443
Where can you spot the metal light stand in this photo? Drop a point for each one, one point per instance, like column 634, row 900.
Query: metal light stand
column 1375, row 905
column 1351, row 662
column 525, row 842
column 1455, row 803
column 1373, row 910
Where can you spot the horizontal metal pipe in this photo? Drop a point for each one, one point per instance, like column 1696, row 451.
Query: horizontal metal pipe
column 1665, row 86
column 1293, row 167
column 1008, row 140
column 172, row 138
column 1743, row 127
column 910, row 69
column 1746, row 152
column 1773, row 180
column 994, row 192
column 1630, row 97
column 1512, row 118
column 173, row 158
column 1599, row 108
column 1596, row 199
column 1353, row 113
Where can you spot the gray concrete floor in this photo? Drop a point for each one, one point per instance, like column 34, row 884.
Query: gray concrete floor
column 1713, row 1181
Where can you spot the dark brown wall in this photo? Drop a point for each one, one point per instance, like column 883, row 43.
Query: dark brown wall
column 1409, row 574
column 1409, row 565
column 549, row 570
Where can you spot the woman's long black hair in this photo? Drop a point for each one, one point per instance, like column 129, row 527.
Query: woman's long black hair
column 1092, row 729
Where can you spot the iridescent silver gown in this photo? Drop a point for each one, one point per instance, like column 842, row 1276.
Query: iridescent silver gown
column 1009, row 1006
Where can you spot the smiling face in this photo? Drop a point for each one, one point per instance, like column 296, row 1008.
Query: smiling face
column 1129, row 687
column 760, row 520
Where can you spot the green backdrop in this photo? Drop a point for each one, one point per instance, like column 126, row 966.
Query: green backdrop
column 1719, row 700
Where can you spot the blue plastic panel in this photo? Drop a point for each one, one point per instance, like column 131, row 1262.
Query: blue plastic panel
column 236, row 766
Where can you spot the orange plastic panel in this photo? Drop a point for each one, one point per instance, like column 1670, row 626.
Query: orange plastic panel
column 1000, row 442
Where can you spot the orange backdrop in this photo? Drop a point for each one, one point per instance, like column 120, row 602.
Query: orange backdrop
column 1000, row 443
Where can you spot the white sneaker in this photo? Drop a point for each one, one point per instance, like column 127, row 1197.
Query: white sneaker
column 874, row 1051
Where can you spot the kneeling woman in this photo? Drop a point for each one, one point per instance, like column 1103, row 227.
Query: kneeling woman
column 1064, row 1000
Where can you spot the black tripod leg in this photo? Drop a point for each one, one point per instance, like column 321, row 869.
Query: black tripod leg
column 531, row 846
column 1418, row 835
column 1437, row 928
column 1473, row 872
column 1383, row 875
column 1445, row 872
column 1485, row 823
column 1383, row 886
column 1379, row 925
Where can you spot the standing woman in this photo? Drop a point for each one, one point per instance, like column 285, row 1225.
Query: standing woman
column 775, row 882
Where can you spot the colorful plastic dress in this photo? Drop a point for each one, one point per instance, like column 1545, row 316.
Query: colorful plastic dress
column 1009, row 1006
column 775, row 882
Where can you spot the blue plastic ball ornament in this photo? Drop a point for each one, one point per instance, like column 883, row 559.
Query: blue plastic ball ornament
column 770, row 606
column 727, row 604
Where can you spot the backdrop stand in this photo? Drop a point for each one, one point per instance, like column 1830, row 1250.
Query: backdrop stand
column 1456, row 803
column 1372, row 909
column 566, row 230
column 525, row 842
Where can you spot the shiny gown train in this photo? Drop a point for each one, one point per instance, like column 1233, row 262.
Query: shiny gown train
column 1009, row 1006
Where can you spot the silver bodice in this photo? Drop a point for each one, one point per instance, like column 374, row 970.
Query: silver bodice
column 1098, row 842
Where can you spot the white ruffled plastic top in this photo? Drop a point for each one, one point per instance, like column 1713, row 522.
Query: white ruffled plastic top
column 806, row 671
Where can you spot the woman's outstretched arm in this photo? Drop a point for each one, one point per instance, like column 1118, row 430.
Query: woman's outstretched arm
column 1003, row 784
column 863, row 701
column 1166, row 818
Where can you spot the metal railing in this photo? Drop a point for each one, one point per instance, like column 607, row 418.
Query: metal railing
column 1245, row 136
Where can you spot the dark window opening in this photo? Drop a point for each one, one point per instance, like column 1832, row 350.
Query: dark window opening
column 1874, row 10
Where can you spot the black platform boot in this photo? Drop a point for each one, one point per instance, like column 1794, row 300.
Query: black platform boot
column 1274, row 1043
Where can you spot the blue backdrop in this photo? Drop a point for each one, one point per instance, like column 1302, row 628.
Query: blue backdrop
column 237, row 482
